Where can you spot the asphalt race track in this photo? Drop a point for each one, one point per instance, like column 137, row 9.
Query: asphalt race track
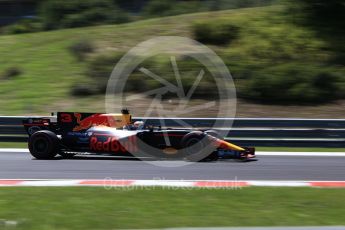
column 19, row 165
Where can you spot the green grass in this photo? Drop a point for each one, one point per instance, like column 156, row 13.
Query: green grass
column 97, row 208
column 13, row 145
column 50, row 70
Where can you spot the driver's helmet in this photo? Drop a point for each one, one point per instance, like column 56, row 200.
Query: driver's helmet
column 138, row 124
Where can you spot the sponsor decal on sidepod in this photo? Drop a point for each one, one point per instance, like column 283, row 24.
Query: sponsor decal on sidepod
column 112, row 144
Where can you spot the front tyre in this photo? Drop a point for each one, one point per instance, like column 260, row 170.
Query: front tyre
column 44, row 145
column 197, row 148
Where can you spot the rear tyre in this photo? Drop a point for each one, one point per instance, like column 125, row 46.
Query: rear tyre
column 44, row 145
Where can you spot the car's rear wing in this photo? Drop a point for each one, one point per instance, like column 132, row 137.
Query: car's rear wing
column 34, row 124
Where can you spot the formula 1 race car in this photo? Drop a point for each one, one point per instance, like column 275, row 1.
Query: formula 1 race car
column 69, row 134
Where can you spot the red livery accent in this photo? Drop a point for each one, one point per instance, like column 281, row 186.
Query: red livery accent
column 112, row 144
column 66, row 117
column 93, row 120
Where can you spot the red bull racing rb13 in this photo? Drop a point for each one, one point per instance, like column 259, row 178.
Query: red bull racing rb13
column 69, row 134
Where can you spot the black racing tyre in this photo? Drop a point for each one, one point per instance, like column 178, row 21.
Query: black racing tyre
column 212, row 157
column 196, row 147
column 44, row 145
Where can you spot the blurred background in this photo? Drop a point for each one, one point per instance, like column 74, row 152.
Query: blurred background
column 286, row 56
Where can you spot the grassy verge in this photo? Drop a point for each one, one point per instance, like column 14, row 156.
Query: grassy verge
column 97, row 208
column 13, row 145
